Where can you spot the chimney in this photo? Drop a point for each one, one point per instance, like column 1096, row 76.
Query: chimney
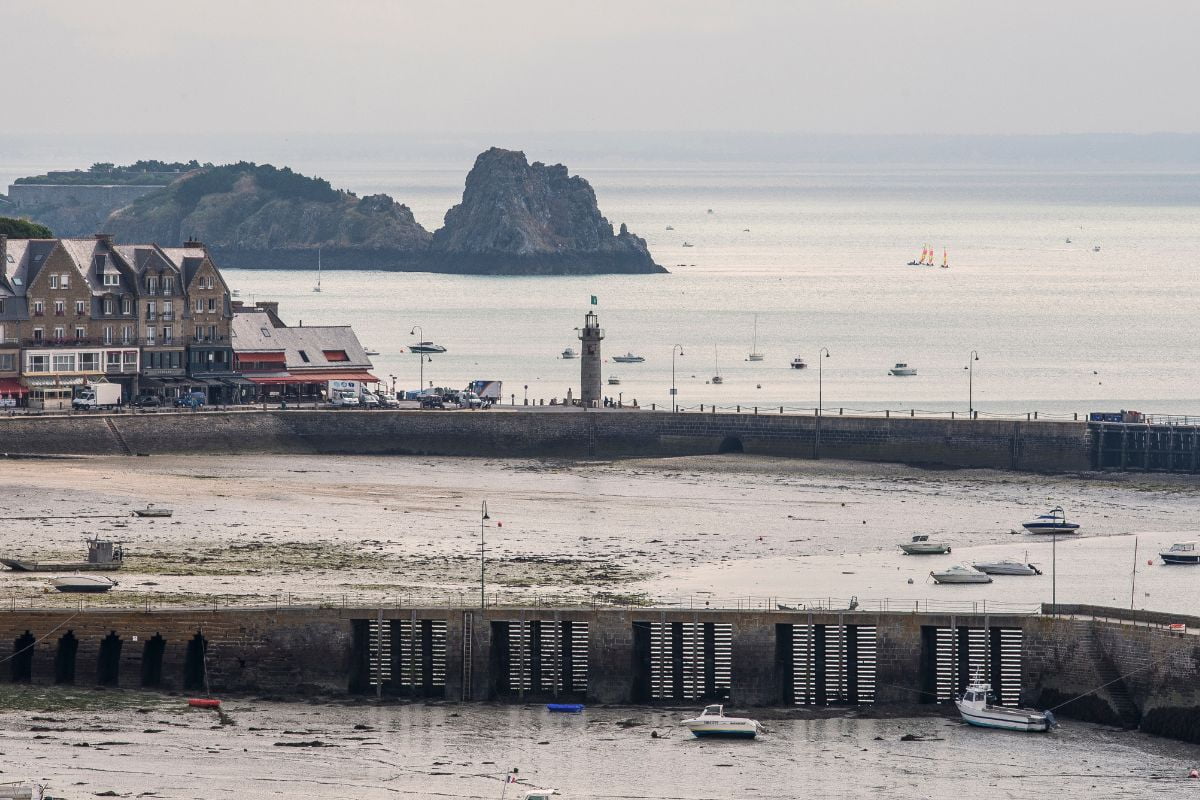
column 270, row 306
column 193, row 242
column 237, row 305
column 107, row 238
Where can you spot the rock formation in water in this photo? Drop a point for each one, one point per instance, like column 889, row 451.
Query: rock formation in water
column 526, row 219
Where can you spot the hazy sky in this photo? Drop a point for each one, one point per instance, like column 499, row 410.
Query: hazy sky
column 839, row 66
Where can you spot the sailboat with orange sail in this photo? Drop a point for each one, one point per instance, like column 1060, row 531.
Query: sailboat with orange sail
column 945, row 259
column 926, row 259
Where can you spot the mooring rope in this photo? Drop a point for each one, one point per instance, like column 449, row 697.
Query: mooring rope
column 43, row 638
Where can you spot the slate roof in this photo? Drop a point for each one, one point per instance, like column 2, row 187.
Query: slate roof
column 252, row 332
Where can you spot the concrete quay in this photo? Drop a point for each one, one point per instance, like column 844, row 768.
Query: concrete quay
column 1036, row 446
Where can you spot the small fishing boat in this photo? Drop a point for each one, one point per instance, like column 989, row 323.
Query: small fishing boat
column 1006, row 566
column 902, row 370
column 569, row 353
column 565, row 708
column 921, row 546
column 370, row 351
column 101, row 555
column 960, row 573
column 152, row 510
column 688, row 244
column 85, row 584
column 799, row 363
column 1181, row 553
column 1096, row 249
column 613, row 380
column 628, row 358
column 670, row 227
column 1054, row 521
column 754, row 355
column 426, row 347
column 976, row 709
column 713, row 722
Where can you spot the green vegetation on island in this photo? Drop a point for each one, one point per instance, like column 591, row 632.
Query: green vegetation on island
column 103, row 173
column 23, row 229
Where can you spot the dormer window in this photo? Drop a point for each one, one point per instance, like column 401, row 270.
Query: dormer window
column 168, row 284
column 111, row 279
column 151, row 284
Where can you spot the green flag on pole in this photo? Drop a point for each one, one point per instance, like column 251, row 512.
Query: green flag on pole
column 595, row 302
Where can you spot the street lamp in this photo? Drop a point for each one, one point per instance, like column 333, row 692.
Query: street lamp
column 483, row 517
column 971, row 383
column 526, row 401
column 677, row 349
column 393, row 377
column 421, row 338
column 823, row 352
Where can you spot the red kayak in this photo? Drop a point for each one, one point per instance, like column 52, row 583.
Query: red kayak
column 200, row 702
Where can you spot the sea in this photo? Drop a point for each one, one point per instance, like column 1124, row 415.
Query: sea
column 1065, row 293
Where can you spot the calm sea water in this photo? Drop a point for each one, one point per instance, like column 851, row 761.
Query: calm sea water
column 819, row 257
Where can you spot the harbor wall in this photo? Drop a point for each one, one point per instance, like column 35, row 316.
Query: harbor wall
column 1028, row 446
column 1107, row 672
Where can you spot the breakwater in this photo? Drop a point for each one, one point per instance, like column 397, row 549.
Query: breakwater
column 1012, row 445
column 1094, row 669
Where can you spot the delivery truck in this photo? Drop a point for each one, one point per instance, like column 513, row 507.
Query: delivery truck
column 92, row 396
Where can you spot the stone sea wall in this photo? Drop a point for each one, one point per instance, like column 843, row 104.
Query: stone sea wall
column 1029, row 446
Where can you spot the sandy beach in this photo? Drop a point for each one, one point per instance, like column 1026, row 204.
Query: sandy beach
column 717, row 529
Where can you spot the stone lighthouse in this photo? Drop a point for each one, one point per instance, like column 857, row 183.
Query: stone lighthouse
column 589, row 361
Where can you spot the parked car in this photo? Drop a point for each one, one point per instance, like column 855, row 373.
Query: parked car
column 369, row 399
column 190, row 400
column 387, row 400
column 469, row 400
column 148, row 401
column 432, row 401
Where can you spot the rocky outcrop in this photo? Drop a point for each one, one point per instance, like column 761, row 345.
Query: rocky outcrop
column 522, row 218
column 515, row 218
column 260, row 216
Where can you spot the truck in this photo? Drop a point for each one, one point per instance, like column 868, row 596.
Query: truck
column 344, row 393
column 489, row 391
column 93, row 396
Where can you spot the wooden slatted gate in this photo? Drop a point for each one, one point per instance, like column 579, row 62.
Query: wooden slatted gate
column 379, row 652
column 994, row 654
column 548, row 657
column 833, row 664
column 421, row 646
column 690, row 660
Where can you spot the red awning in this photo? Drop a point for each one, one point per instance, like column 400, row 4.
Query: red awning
column 313, row 377
column 10, row 386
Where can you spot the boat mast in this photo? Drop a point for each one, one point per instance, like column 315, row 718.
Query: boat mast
column 318, row 269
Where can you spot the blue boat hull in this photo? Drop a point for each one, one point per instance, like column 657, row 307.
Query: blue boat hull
column 1170, row 559
column 565, row 708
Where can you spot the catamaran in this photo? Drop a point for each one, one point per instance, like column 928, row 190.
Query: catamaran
column 926, row 259
column 754, row 354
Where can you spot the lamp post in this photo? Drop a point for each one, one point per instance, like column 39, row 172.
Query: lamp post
column 393, row 377
column 526, row 401
column 483, row 517
column 822, row 353
column 971, row 359
column 421, row 338
column 675, row 350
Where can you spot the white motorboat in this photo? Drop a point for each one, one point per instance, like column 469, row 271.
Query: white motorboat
column 713, row 722
column 370, row 351
column 426, row 347
column 1054, row 521
column 569, row 353
column 960, row 573
column 1006, row 566
column 976, row 709
column 85, row 584
column 1181, row 553
column 921, row 546
column 613, row 380
column 628, row 358
column 538, row 794
column 152, row 510
column 798, row 363
column 902, row 371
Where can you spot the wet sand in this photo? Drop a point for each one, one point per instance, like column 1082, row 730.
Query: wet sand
column 140, row 745
column 715, row 529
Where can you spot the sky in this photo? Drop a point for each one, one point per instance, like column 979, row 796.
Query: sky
column 545, row 66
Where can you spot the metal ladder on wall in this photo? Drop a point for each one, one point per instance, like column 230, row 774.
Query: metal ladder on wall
column 466, row 655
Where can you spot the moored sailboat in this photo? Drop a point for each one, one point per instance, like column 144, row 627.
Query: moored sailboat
column 754, row 355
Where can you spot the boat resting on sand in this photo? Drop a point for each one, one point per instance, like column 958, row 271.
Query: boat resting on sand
column 921, row 546
column 713, row 722
column 152, row 510
column 102, row 556
column 83, row 584
column 976, row 709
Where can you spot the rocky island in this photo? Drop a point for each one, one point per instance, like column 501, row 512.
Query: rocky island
column 518, row 218
column 515, row 218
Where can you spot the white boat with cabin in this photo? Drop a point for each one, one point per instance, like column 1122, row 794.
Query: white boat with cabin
column 628, row 358
column 921, row 546
column 569, row 353
column 976, row 708
column 1006, row 566
column 902, row 371
column 960, row 573
column 799, row 363
column 426, row 347
column 1181, row 553
column 713, row 722
column 1053, row 521
column 613, row 380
